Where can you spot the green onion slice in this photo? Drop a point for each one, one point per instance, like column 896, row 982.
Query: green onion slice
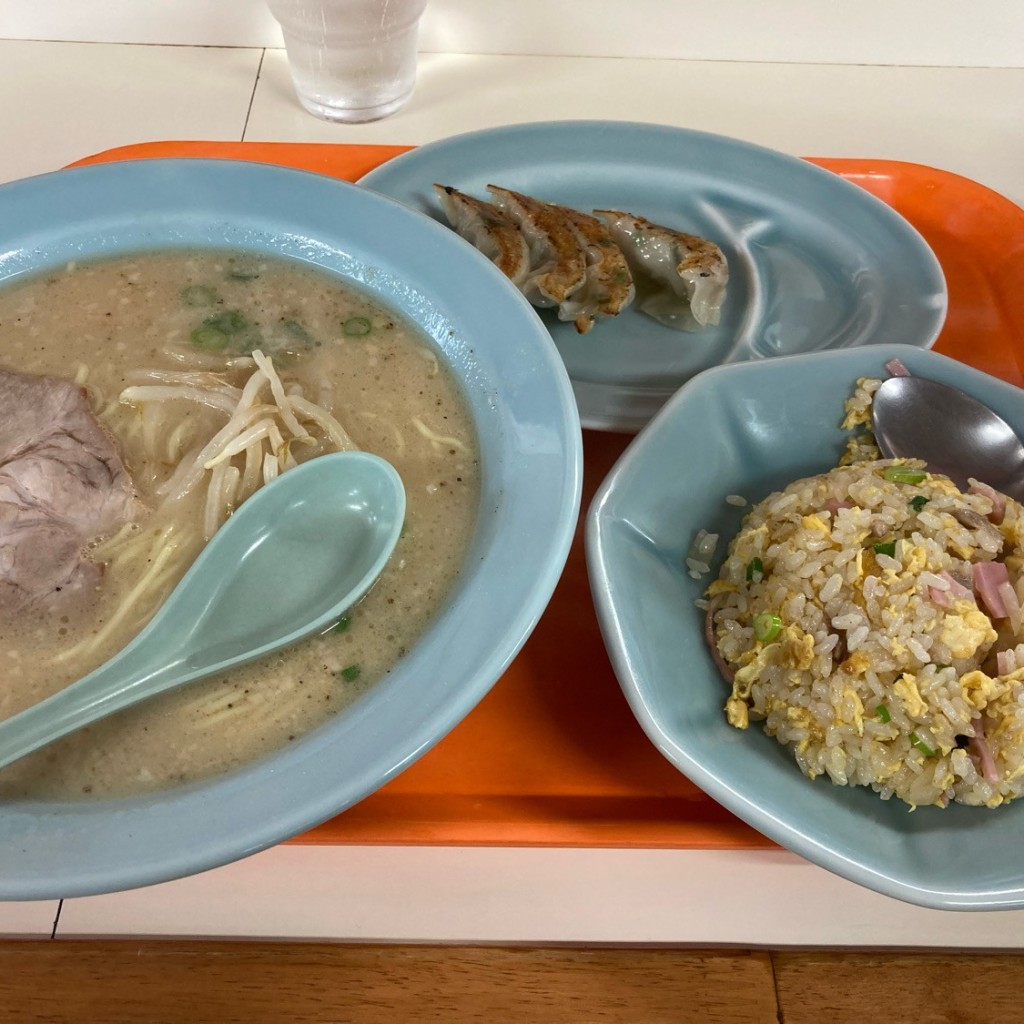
column 918, row 502
column 209, row 338
column 231, row 321
column 916, row 741
column 767, row 626
column 886, row 548
column 198, row 295
column 904, row 474
column 297, row 332
column 356, row 327
column 350, row 673
column 341, row 625
column 883, row 714
column 755, row 570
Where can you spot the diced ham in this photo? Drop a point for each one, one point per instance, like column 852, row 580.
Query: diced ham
column 897, row 368
column 956, row 588
column 979, row 748
column 62, row 484
column 998, row 501
column 988, row 577
column 833, row 506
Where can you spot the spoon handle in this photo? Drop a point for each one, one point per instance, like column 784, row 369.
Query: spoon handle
column 108, row 689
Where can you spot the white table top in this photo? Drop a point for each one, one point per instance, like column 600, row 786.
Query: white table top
column 63, row 101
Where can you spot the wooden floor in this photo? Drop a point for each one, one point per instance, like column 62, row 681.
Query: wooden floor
column 228, row 982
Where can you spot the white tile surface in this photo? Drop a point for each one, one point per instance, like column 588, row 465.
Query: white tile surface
column 409, row 894
column 866, row 32
column 951, row 118
column 183, row 22
column 27, row 920
column 804, row 31
column 63, row 101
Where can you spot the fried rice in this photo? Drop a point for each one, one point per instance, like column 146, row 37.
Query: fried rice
column 870, row 618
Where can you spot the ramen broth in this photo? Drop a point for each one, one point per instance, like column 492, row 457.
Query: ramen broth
column 110, row 324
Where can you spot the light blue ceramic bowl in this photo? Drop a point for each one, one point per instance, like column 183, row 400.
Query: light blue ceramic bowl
column 523, row 406
column 749, row 429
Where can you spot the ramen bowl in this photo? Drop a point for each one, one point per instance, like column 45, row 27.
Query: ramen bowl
column 748, row 430
column 521, row 405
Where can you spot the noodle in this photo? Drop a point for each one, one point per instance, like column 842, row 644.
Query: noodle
column 437, row 439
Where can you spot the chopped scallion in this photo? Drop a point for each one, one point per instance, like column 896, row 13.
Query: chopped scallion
column 767, row 626
column 755, row 570
column 882, row 712
column 341, row 625
column 296, row 332
column 886, row 548
column 918, row 502
column 356, row 327
column 210, row 338
column 916, row 741
column 231, row 321
column 198, row 295
column 904, row 474
column 350, row 673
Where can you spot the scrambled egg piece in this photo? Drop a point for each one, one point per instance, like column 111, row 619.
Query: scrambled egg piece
column 1012, row 529
column 859, row 416
column 721, row 587
column 797, row 648
column 979, row 689
column 861, row 448
column 869, row 496
column 803, row 719
column 814, row 522
column 737, row 713
column 943, row 484
column 966, row 629
column 1014, row 563
column 913, row 556
column 856, row 664
column 853, row 708
column 906, row 689
column 747, row 675
column 794, row 649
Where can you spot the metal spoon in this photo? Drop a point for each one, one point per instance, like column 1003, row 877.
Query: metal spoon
column 953, row 433
column 287, row 564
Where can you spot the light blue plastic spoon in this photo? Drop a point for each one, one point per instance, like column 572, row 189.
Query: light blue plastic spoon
column 294, row 557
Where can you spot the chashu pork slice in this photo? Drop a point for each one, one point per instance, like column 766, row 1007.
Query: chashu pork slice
column 62, row 485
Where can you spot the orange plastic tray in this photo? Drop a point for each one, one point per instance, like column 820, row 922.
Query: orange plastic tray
column 553, row 755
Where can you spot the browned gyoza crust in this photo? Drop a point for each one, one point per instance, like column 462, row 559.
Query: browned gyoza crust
column 609, row 281
column 490, row 230
column 559, row 261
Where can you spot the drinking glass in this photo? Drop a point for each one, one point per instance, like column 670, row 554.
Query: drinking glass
column 351, row 60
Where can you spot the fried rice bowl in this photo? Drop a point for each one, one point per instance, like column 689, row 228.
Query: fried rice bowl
column 868, row 619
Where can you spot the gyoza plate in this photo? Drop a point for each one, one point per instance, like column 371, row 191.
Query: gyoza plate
column 815, row 261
